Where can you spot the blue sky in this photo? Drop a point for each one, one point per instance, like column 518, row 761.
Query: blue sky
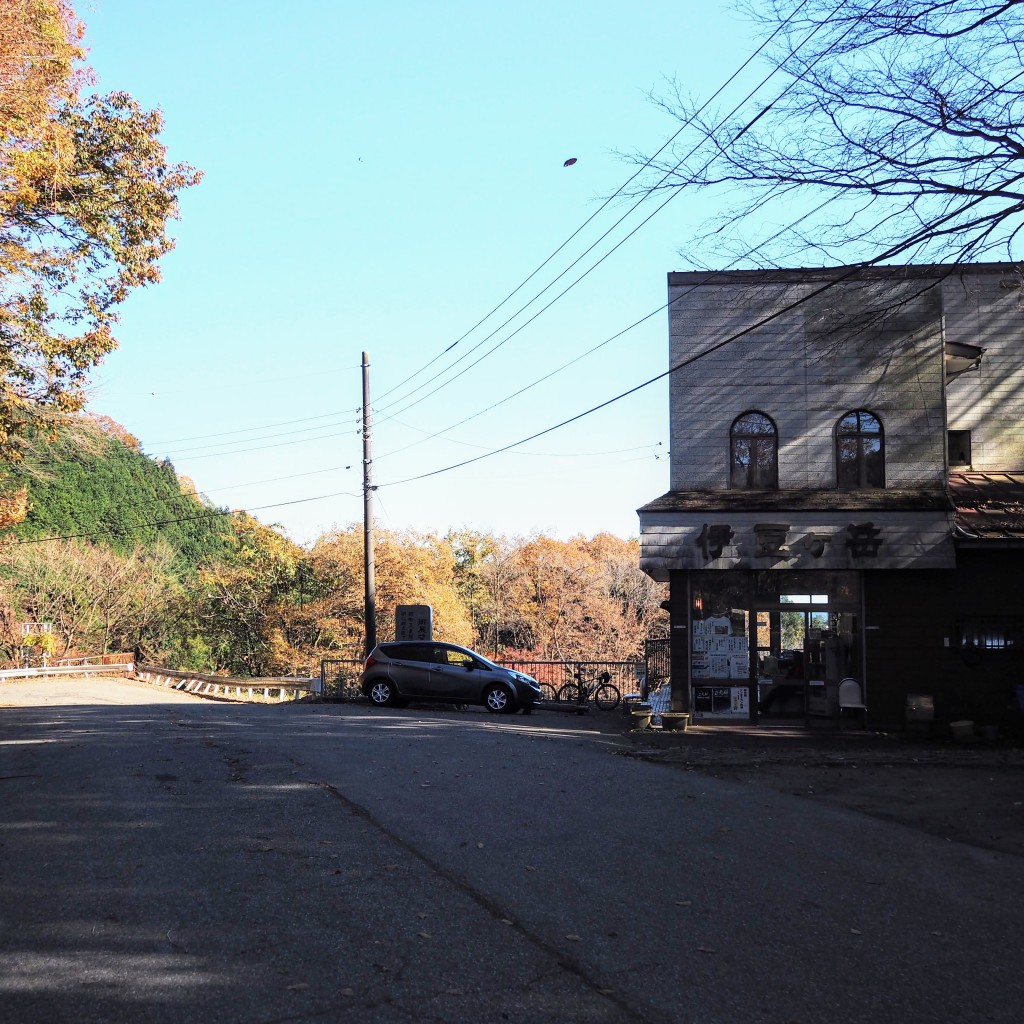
column 379, row 178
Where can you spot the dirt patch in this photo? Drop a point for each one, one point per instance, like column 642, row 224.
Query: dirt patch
column 965, row 794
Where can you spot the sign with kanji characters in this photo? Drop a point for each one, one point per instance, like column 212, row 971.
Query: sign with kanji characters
column 864, row 540
column 713, row 540
column 770, row 539
column 414, row 622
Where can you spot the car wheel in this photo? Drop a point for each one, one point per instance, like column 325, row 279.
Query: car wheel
column 382, row 692
column 498, row 699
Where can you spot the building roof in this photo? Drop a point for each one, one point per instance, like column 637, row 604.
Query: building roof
column 989, row 506
column 1011, row 272
column 805, row 500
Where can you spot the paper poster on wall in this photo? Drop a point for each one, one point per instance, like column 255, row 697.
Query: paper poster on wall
column 721, row 702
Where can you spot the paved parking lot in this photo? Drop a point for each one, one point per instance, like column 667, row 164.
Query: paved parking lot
column 171, row 859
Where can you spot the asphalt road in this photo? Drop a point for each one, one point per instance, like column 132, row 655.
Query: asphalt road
column 169, row 859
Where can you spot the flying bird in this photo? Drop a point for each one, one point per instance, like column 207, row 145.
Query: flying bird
column 569, row 162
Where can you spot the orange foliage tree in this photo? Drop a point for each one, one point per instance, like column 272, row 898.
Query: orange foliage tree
column 86, row 192
column 410, row 568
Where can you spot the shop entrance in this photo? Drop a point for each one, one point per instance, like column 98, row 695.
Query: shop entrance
column 772, row 645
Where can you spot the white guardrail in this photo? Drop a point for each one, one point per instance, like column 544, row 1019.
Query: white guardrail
column 68, row 670
column 192, row 682
column 225, row 686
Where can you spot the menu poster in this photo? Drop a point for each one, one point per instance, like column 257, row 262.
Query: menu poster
column 721, row 702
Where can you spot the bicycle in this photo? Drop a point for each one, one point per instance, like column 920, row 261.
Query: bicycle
column 550, row 692
column 605, row 693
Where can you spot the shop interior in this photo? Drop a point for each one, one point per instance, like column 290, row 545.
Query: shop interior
column 805, row 640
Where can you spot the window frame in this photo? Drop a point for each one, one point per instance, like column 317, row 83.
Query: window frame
column 753, row 437
column 861, row 462
column 952, row 437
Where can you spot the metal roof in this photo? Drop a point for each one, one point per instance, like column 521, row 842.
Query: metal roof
column 989, row 506
column 800, row 500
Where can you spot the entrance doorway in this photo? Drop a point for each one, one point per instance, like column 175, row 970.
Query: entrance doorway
column 773, row 645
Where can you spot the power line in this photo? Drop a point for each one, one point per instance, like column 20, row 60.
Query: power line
column 647, row 193
column 595, row 348
column 263, row 447
column 596, row 213
column 907, row 244
column 263, row 426
column 211, row 514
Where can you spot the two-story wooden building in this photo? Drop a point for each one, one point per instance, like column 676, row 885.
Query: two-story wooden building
column 847, row 492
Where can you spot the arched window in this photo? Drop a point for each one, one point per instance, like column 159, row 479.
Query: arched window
column 753, row 452
column 860, row 451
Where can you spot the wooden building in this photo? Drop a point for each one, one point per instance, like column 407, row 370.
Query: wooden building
column 847, row 494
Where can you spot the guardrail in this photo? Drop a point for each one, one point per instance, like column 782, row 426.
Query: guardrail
column 286, row 688
column 98, row 659
column 124, row 668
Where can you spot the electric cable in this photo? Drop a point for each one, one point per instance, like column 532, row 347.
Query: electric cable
column 262, row 426
column 647, row 193
column 595, row 348
column 607, row 201
column 915, row 240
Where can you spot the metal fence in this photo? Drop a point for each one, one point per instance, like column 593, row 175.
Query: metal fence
column 658, row 660
column 561, row 680
column 339, row 679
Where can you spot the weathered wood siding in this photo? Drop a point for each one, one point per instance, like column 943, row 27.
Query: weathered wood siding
column 818, row 359
column 987, row 309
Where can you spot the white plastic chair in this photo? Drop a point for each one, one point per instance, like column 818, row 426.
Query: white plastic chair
column 851, row 699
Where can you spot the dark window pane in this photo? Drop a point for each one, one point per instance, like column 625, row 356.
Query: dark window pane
column 860, row 451
column 753, row 452
column 765, row 467
column 874, row 464
column 753, row 423
column 740, row 463
column 846, row 462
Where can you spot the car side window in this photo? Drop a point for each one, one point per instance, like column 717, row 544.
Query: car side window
column 411, row 652
column 452, row 657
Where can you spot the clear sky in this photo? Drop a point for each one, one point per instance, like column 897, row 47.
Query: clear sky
column 379, row 177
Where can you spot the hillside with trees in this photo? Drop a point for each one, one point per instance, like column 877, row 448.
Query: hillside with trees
column 93, row 482
column 120, row 554
column 112, row 548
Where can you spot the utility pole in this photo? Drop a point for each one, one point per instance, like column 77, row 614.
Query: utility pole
column 370, row 593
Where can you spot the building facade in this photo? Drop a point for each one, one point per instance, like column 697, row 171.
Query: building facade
column 847, row 493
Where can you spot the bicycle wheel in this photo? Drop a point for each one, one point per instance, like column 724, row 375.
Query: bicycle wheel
column 569, row 693
column 550, row 693
column 607, row 697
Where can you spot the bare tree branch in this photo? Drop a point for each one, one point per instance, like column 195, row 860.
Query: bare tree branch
column 898, row 113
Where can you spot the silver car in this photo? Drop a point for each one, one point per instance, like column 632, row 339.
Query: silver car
column 415, row 670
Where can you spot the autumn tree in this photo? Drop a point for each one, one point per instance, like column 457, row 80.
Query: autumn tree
column 581, row 599
column 238, row 603
column 86, row 194
column 893, row 130
column 410, row 568
column 39, row 49
column 97, row 600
